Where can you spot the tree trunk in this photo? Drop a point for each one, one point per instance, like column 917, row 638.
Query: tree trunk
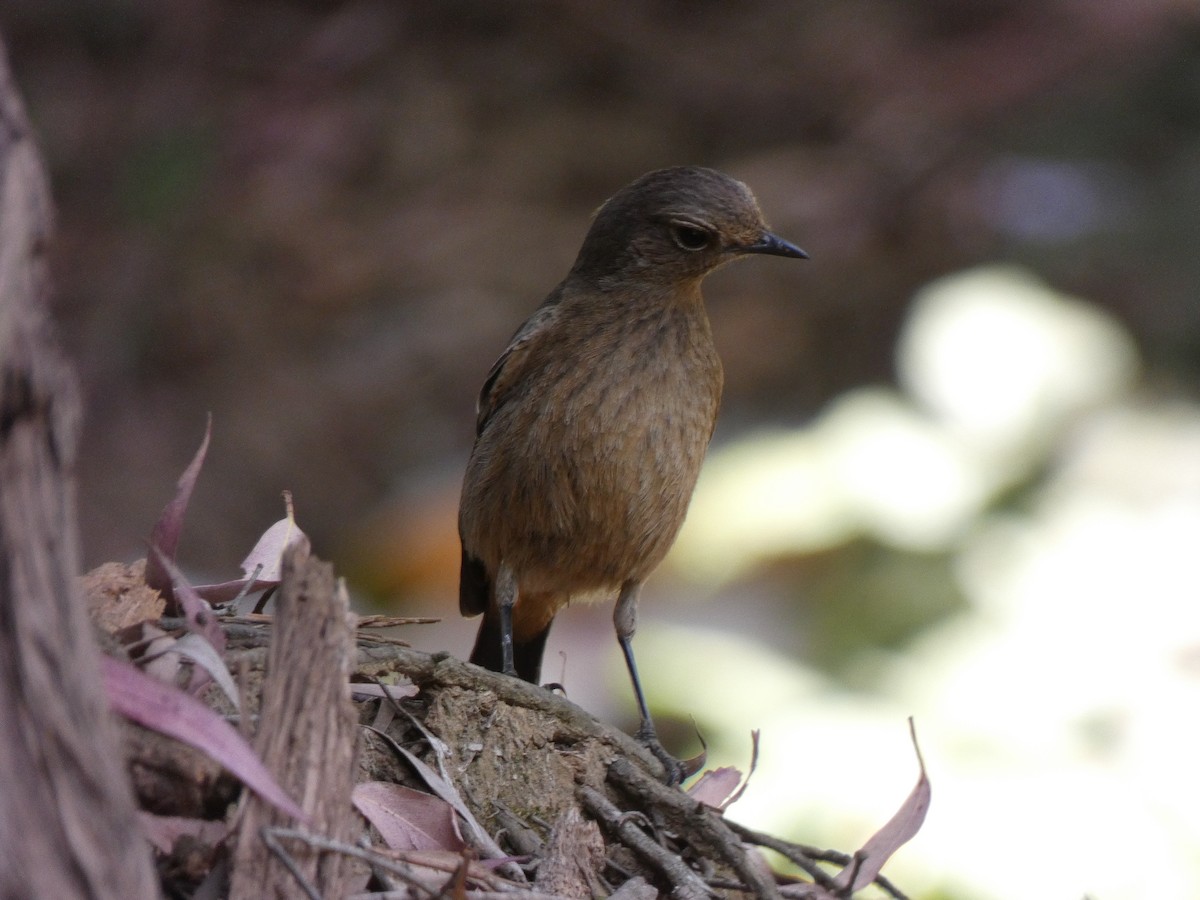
column 67, row 822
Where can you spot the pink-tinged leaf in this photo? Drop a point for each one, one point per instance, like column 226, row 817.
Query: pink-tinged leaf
column 268, row 552
column 198, row 614
column 899, row 830
column 721, row 788
column 737, row 795
column 168, row 710
column 164, row 831
column 446, row 790
column 264, row 565
column 169, row 526
column 714, row 786
column 408, row 819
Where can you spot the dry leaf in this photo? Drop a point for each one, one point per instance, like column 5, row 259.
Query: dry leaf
column 168, row 710
column 891, row 837
column 169, row 526
column 408, row 819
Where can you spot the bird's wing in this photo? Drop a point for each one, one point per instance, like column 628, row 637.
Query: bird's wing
column 508, row 370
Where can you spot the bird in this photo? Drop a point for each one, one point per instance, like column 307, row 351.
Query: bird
column 592, row 425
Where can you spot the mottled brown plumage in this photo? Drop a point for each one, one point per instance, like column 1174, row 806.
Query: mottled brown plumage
column 593, row 424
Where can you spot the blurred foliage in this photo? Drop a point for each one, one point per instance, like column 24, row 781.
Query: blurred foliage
column 870, row 599
column 305, row 216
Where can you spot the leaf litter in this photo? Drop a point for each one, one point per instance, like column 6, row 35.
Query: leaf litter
column 425, row 829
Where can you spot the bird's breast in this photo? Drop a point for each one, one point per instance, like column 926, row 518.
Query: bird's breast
column 583, row 478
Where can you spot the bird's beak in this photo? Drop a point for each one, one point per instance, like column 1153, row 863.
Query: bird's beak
column 774, row 245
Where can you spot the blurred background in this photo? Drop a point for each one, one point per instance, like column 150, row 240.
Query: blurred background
column 957, row 474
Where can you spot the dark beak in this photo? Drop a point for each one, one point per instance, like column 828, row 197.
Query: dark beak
column 774, row 245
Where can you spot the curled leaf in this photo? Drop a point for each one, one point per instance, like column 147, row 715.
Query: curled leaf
column 170, row 711
column 264, row 565
column 899, row 830
column 169, row 526
column 199, row 615
column 721, row 788
column 268, row 552
column 408, row 819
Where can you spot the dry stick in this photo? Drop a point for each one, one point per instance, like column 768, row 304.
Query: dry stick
column 268, row 838
column 686, row 884
column 701, row 825
column 307, row 732
column 456, row 884
column 807, row 857
column 399, row 869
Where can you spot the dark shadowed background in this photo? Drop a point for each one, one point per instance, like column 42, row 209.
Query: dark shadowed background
column 321, row 222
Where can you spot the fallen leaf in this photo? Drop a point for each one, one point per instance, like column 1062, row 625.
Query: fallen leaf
column 899, row 830
column 169, row 526
column 721, row 788
column 198, row 614
column 448, row 792
column 166, row 709
column 714, row 786
column 408, row 819
column 268, row 551
column 264, row 565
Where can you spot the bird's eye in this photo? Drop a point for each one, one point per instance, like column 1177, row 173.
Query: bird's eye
column 690, row 238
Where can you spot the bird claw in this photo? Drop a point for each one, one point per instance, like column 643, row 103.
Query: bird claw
column 674, row 771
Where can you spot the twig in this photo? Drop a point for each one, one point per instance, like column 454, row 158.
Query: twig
column 371, row 857
column 807, row 857
column 686, row 884
column 245, row 591
column 268, row 838
column 701, row 824
column 804, row 857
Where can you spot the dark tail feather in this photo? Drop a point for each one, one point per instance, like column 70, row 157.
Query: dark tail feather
column 474, row 586
column 527, row 654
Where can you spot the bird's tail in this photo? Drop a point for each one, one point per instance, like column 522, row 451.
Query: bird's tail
column 531, row 621
column 527, row 651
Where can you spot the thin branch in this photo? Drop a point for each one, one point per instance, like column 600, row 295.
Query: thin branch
column 807, row 857
column 400, row 869
column 687, row 885
column 268, row 838
column 703, row 826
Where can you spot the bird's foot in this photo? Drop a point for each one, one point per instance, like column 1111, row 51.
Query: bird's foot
column 674, row 770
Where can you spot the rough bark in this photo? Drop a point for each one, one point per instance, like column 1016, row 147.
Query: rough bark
column 66, row 810
column 307, row 735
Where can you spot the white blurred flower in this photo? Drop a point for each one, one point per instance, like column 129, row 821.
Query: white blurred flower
column 998, row 364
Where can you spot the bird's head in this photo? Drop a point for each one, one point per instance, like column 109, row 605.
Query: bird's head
column 676, row 225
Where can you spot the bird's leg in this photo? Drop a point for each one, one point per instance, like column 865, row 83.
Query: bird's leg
column 506, row 599
column 625, row 620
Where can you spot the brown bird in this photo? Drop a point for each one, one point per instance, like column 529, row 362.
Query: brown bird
column 592, row 425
